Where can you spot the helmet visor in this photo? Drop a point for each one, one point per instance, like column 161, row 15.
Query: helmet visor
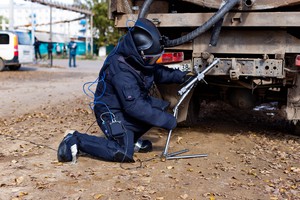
column 151, row 59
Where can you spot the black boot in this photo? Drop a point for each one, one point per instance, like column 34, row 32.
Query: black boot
column 121, row 157
column 67, row 149
column 143, row 146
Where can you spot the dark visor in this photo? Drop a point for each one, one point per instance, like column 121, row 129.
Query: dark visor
column 151, row 59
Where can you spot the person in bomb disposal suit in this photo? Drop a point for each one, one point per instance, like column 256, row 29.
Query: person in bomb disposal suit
column 122, row 105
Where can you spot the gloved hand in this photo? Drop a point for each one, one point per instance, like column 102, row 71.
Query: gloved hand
column 188, row 77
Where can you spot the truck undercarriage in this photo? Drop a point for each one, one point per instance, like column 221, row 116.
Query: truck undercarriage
column 258, row 48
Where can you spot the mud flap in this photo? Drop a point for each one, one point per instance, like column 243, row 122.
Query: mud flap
column 169, row 93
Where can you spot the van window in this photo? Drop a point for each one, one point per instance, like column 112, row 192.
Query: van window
column 23, row 38
column 4, row 38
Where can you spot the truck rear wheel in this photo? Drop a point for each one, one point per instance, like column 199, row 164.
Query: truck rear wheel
column 297, row 129
column 2, row 65
column 242, row 98
column 14, row 67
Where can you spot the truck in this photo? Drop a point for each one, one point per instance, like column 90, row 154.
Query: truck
column 256, row 41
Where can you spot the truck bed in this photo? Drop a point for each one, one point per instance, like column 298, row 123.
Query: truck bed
column 248, row 4
column 161, row 6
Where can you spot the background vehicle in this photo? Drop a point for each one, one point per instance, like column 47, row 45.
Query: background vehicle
column 15, row 49
column 258, row 43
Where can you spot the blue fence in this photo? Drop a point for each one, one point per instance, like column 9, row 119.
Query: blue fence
column 81, row 48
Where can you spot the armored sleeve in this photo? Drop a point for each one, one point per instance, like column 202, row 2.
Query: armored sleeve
column 138, row 105
column 164, row 74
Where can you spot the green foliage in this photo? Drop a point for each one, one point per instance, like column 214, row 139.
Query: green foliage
column 107, row 34
column 3, row 18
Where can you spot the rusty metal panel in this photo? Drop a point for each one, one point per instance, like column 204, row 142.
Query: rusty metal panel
column 158, row 5
column 262, row 19
column 247, row 4
column 233, row 19
column 132, row 7
column 249, row 42
column 237, row 67
column 117, row 6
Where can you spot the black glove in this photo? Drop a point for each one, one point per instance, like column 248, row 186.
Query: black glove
column 188, row 77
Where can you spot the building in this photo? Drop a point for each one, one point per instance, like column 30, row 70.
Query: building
column 64, row 23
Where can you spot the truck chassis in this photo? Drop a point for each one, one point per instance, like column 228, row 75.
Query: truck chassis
column 258, row 48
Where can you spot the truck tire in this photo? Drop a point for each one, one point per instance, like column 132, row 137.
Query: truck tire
column 242, row 99
column 2, row 65
column 294, row 129
column 297, row 129
column 14, row 67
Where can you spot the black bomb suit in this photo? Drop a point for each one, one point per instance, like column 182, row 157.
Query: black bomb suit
column 127, row 89
column 123, row 92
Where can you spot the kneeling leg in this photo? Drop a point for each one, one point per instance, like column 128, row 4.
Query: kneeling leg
column 107, row 149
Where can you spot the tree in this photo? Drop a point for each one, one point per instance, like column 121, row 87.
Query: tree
column 3, row 19
column 104, row 26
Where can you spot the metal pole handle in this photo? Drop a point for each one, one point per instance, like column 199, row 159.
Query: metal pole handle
column 199, row 77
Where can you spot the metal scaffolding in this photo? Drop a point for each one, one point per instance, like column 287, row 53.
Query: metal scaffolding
column 62, row 6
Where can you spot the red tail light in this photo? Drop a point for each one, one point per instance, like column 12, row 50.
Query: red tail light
column 171, row 57
column 297, row 61
column 16, row 50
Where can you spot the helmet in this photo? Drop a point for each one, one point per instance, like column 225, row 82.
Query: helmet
column 147, row 40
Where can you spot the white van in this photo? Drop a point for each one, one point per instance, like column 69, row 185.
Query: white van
column 15, row 49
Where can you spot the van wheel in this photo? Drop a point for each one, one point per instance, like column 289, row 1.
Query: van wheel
column 14, row 67
column 2, row 65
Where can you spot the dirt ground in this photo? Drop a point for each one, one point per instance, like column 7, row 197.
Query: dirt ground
column 250, row 156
